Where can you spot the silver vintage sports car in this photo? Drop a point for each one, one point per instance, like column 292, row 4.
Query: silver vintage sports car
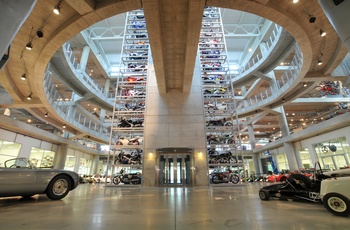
column 19, row 177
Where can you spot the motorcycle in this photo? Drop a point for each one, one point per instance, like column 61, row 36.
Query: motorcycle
column 131, row 141
column 220, row 122
column 214, row 139
column 224, row 177
column 124, row 123
column 135, row 141
column 133, row 158
column 221, row 158
column 126, row 178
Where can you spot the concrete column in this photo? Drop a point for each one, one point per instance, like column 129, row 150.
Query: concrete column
column 263, row 49
column 244, row 91
column 107, row 85
column 283, row 123
column 290, row 153
column 175, row 120
column 94, row 164
column 251, row 136
column 60, row 157
column 102, row 115
column 255, row 156
column 272, row 82
column 84, row 57
column 313, row 154
column 298, row 159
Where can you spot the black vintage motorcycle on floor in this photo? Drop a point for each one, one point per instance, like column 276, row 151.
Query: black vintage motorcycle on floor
column 127, row 178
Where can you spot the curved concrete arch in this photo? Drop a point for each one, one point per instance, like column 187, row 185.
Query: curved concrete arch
column 79, row 22
column 68, row 30
column 281, row 17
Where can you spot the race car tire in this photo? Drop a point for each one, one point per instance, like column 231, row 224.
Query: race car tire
column 337, row 204
column 264, row 194
column 302, row 181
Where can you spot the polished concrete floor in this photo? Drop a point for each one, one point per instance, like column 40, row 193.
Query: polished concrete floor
column 94, row 206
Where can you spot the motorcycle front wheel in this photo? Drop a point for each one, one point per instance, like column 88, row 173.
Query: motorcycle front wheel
column 235, row 179
column 215, row 179
column 116, row 180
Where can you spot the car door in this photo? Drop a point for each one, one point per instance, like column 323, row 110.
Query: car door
column 16, row 181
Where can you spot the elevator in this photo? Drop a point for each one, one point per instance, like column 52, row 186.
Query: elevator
column 174, row 167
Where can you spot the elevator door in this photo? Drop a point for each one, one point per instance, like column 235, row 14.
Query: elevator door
column 175, row 169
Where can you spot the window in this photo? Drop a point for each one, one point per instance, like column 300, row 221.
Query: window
column 305, row 158
column 42, row 158
column 8, row 150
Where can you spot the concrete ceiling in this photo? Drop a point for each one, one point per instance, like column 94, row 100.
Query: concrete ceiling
column 176, row 54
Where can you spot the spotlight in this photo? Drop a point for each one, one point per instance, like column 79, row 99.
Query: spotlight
column 312, row 19
column 46, row 114
column 29, row 97
column 322, row 33
column 40, row 33
column 319, row 62
column 295, row 1
column 64, row 126
column 24, row 77
column 29, row 46
column 304, row 84
column 57, row 8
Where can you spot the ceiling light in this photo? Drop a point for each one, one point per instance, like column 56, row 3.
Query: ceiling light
column 304, row 84
column 29, row 46
column 40, row 33
column 295, row 1
column 322, row 33
column 46, row 114
column 24, row 77
column 319, row 62
column 57, row 8
column 312, row 19
column 29, row 97
column 64, row 126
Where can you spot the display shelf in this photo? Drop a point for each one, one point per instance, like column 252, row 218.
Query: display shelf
column 130, row 96
column 218, row 92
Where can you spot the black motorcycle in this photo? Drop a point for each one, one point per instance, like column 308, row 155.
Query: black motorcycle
column 127, row 178
column 133, row 158
column 125, row 123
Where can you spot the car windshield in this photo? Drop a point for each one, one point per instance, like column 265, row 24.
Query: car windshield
column 18, row 163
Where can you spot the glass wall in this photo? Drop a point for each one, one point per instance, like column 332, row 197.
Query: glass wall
column 70, row 163
column 305, row 158
column 282, row 162
column 333, row 154
column 85, row 166
column 8, row 150
column 42, row 158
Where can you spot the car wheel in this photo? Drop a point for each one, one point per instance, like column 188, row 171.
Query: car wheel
column 337, row 204
column 301, row 181
column 264, row 194
column 58, row 187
